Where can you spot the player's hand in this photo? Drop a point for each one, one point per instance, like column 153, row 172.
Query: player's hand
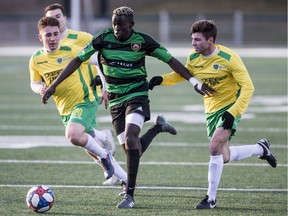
column 156, row 80
column 228, row 120
column 105, row 99
column 48, row 93
column 43, row 89
column 204, row 89
column 96, row 82
column 201, row 88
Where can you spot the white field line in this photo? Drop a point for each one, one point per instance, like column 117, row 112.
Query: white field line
column 24, row 142
column 150, row 163
column 151, row 188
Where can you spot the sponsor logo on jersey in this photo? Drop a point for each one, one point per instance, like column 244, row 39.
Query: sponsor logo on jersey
column 219, row 67
column 212, row 81
column 136, row 46
column 60, row 60
column 120, row 64
column 51, row 76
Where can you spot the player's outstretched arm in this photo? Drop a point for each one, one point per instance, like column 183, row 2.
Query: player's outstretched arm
column 67, row 71
column 199, row 87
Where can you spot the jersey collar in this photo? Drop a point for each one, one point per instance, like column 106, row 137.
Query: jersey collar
column 212, row 54
column 51, row 51
column 64, row 34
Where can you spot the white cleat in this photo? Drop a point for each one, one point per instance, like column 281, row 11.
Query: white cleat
column 111, row 181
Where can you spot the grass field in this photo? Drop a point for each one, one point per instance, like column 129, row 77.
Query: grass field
column 173, row 172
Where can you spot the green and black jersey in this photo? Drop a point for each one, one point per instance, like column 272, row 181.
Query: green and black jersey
column 124, row 62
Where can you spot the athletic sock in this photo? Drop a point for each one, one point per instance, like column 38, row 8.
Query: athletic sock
column 147, row 138
column 101, row 136
column 216, row 164
column 95, row 148
column 246, row 151
column 133, row 159
column 119, row 172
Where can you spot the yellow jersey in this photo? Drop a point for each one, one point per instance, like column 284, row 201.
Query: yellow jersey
column 226, row 73
column 80, row 38
column 75, row 89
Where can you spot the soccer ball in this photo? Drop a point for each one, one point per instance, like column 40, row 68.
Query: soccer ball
column 40, row 198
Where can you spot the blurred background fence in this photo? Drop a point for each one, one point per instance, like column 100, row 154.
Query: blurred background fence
column 253, row 23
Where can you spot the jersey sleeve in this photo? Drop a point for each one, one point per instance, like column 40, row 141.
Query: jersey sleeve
column 87, row 52
column 162, row 54
column 154, row 49
column 171, row 79
column 34, row 74
column 243, row 79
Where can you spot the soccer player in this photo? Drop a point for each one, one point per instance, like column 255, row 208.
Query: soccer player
column 123, row 52
column 74, row 98
column 222, row 69
column 80, row 38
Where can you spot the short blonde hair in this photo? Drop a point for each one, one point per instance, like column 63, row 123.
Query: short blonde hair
column 123, row 10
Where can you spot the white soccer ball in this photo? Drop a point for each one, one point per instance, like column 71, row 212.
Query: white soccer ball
column 40, row 198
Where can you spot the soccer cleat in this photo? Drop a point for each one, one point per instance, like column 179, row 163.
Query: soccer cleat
column 166, row 127
column 267, row 154
column 111, row 181
column 108, row 167
column 123, row 192
column 127, row 202
column 109, row 143
column 205, row 204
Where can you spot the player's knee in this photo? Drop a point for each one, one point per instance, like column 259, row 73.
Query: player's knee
column 213, row 150
column 131, row 141
column 73, row 138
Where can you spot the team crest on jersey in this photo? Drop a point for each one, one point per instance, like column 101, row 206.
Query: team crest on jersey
column 218, row 67
column 60, row 60
column 136, row 46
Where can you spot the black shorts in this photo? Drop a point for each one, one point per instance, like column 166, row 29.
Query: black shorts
column 119, row 111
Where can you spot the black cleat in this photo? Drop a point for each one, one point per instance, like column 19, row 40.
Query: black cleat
column 127, row 202
column 204, row 204
column 267, row 155
column 166, row 127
